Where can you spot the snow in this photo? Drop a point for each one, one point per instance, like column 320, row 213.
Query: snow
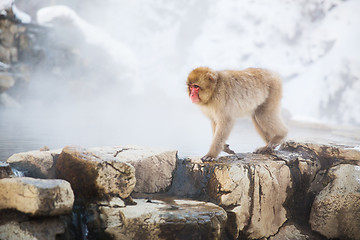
column 93, row 35
column 357, row 148
column 22, row 16
column 4, row 4
column 121, row 53
column 334, row 76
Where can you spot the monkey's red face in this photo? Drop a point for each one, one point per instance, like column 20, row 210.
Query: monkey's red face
column 194, row 93
column 201, row 84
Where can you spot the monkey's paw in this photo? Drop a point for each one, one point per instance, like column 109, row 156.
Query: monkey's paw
column 227, row 149
column 207, row 158
column 264, row 150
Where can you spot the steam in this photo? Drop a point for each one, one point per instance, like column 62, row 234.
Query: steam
column 118, row 100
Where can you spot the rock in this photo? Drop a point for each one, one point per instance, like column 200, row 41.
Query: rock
column 329, row 155
column 5, row 54
column 154, row 168
column 95, row 175
column 6, row 82
column 41, row 229
column 252, row 188
column 292, row 232
column 5, row 170
column 37, row 164
column 257, row 186
column 6, row 37
column 336, row 210
column 309, row 164
column 264, row 196
column 191, row 179
column 155, row 219
column 36, row 196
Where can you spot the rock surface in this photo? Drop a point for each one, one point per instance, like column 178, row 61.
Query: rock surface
column 292, row 232
column 336, row 210
column 261, row 192
column 38, row 197
column 329, row 155
column 156, row 219
column 95, row 175
column 262, row 196
column 253, row 189
column 14, row 44
column 41, row 229
column 154, row 168
column 38, row 164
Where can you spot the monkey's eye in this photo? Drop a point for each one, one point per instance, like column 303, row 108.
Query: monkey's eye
column 195, row 86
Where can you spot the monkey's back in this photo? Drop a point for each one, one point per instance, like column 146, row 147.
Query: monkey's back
column 251, row 88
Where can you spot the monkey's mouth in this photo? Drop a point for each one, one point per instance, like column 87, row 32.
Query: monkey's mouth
column 194, row 99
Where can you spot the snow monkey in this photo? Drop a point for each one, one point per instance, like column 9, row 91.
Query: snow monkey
column 223, row 96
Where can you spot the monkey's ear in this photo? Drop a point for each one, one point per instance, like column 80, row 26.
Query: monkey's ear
column 212, row 76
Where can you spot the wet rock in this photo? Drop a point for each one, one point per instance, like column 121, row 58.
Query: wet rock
column 253, row 189
column 37, row 164
column 329, row 155
column 36, row 196
column 191, row 179
column 155, row 219
column 309, row 164
column 95, row 175
column 5, row 170
column 335, row 212
column 154, row 167
column 44, row 229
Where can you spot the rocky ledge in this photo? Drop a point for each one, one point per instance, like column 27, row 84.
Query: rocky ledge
column 302, row 191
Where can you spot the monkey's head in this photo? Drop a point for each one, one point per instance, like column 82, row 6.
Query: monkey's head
column 201, row 84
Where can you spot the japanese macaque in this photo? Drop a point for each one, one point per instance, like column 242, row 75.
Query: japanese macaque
column 224, row 96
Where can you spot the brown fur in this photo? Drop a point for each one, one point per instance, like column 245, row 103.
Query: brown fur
column 226, row 95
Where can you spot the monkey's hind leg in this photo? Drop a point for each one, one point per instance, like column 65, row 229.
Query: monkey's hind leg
column 271, row 129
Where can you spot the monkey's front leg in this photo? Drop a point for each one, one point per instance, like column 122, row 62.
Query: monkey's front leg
column 226, row 147
column 222, row 132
